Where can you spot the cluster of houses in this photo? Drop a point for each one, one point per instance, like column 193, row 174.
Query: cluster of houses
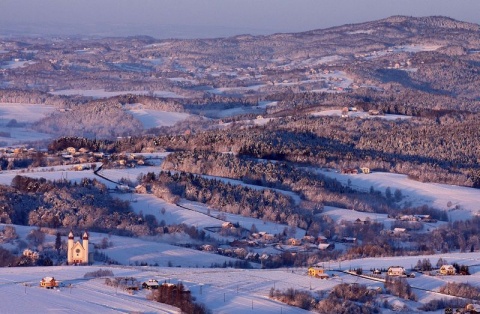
column 399, row 271
column 244, row 248
column 83, row 155
column 421, row 218
column 364, row 170
column 15, row 151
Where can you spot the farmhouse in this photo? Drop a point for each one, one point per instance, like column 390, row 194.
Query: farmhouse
column 365, row 170
column 326, row 246
column 349, row 171
column 293, row 241
column 227, row 225
column 349, row 240
column 317, row 272
column 150, row 284
column 48, row 283
column 79, row 253
column 447, row 270
column 322, row 239
column 472, row 308
column 396, row 271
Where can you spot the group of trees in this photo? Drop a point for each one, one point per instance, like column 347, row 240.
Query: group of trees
column 178, row 296
column 83, row 205
column 95, row 119
column 399, row 287
column 463, row 290
column 342, row 299
column 259, row 203
column 311, row 186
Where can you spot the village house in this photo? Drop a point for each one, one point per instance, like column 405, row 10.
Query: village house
column 322, row 239
column 267, row 236
column 140, row 189
column 317, row 272
column 150, row 284
column 227, row 225
column 398, row 231
column 365, row 170
column 326, row 246
column 309, row 239
column 252, row 256
column 48, row 283
column 408, row 218
column 448, row 270
column 349, row 171
column 472, row 308
column 396, row 271
column 359, row 221
column 207, row 248
column 293, row 241
column 349, row 240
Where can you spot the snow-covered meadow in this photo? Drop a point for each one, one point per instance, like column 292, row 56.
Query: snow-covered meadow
column 102, row 93
column 222, row 290
column 24, row 114
column 463, row 201
column 359, row 114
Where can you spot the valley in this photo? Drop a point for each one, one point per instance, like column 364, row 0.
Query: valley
column 245, row 168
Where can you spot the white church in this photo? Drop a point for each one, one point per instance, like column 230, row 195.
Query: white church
column 79, row 253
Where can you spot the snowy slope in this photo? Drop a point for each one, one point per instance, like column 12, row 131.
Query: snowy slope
column 24, row 114
column 418, row 193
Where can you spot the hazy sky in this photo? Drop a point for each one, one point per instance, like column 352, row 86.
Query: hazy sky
column 209, row 18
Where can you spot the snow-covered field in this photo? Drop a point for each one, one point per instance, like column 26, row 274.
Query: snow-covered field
column 16, row 64
column 24, row 114
column 221, row 290
column 102, row 93
column 27, row 113
column 359, row 114
column 151, row 205
column 339, row 214
column 417, row 193
column 156, row 118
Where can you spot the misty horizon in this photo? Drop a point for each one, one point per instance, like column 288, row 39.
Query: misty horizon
column 190, row 19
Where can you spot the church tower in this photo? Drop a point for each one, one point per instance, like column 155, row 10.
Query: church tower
column 70, row 248
column 85, row 246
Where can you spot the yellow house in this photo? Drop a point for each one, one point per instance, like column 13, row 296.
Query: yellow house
column 293, row 241
column 48, row 283
column 317, row 272
column 447, row 270
column 365, row 170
